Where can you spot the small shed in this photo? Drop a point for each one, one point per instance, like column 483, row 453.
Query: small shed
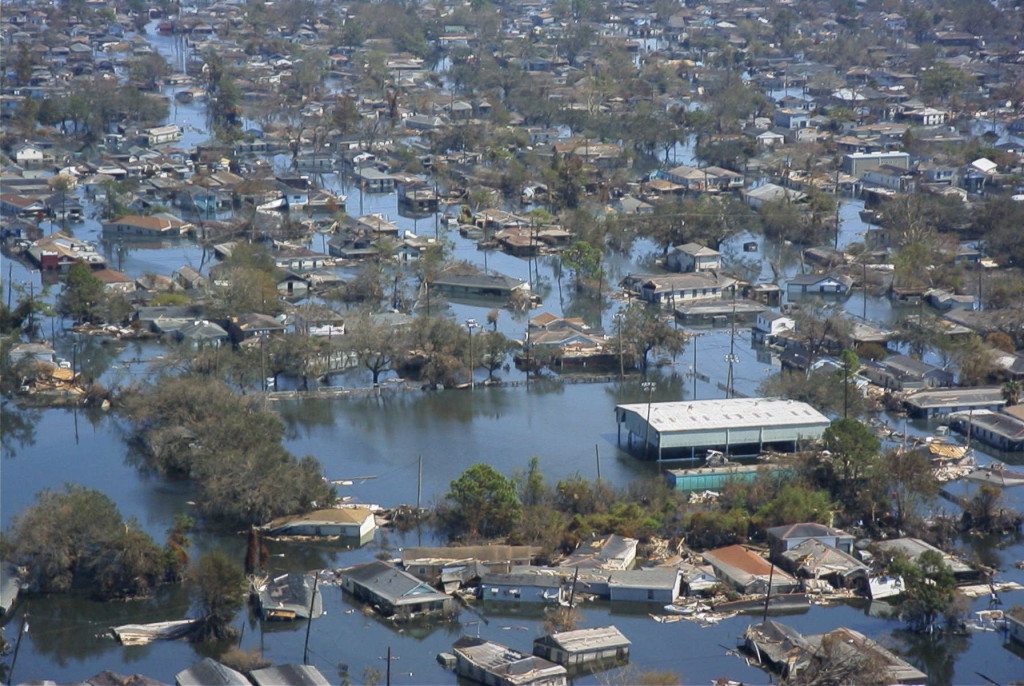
column 584, row 649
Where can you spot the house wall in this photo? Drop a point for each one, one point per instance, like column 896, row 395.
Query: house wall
column 643, row 595
column 1015, row 628
column 502, row 593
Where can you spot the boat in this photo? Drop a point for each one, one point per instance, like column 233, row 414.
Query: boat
column 143, row 634
column 676, row 609
column 780, row 602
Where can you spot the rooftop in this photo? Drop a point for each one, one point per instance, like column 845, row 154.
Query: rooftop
column 734, row 413
column 583, row 640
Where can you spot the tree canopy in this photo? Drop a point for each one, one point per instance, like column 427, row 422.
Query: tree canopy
column 482, row 503
column 76, row 538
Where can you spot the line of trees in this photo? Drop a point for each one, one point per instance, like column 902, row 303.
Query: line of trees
column 228, row 445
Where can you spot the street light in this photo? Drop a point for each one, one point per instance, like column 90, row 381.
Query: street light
column 471, row 324
column 648, row 386
column 731, row 358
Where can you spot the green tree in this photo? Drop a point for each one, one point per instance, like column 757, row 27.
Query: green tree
column 82, row 295
column 230, row 445
column 482, row 503
column 373, row 343
column 929, row 589
column 795, row 503
column 76, row 538
column 643, row 330
column 942, row 81
column 851, row 466
column 909, row 481
column 492, row 349
column 1011, row 392
column 218, row 589
column 854, row 447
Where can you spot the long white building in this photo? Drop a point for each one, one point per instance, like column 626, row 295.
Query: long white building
column 734, row 426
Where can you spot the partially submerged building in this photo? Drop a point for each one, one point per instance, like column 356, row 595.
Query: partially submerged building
column 290, row 596
column 493, row 664
column 209, row 672
column 392, row 592
column 734, row 425
column 289, row 675
column 748, row 572
column 582, row 650
column 349, row 522
column 785, row 651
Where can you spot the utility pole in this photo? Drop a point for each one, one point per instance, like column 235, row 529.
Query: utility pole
column 309, row 623
column 597, row 458
column 17, row 646
column 837, row 209
column 387, row 672
column 732, row 358
column 419, row 481
column 695, row 337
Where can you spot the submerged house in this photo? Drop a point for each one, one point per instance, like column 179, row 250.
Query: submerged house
column 611, row 552
column 351, row 522
column 288, row 675
column 209, row 672
column 813, row 559
column 584, row 649
column 748, row 572
column 672, row 289
column 479, row 285
column 392, row 592
column 781, row 649
column 493, row 664
column 290, row 596
column 789, row 536
column 435, row 565
column 524, row 586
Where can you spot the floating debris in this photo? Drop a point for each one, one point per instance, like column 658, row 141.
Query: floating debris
column 144, row 634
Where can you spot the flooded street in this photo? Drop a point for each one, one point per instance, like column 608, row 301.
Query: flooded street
column 383, row 438
column 377, row 442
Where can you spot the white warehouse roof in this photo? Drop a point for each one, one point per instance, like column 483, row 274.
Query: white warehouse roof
column 734, row 413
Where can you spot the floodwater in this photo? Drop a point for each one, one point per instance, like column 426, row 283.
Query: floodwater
column 569, row 427
column 384, row 438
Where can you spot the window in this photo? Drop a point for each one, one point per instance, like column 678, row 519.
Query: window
column 650, row 594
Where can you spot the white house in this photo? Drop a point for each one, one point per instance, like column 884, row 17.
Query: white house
column 693, row 257
column 671, row 289
column 820, row 284
column 770, row 324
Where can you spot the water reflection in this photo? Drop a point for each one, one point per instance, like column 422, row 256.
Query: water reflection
column 17, row 427
column 935, row 654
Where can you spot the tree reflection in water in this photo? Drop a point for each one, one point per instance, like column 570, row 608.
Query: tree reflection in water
column 934, row 654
